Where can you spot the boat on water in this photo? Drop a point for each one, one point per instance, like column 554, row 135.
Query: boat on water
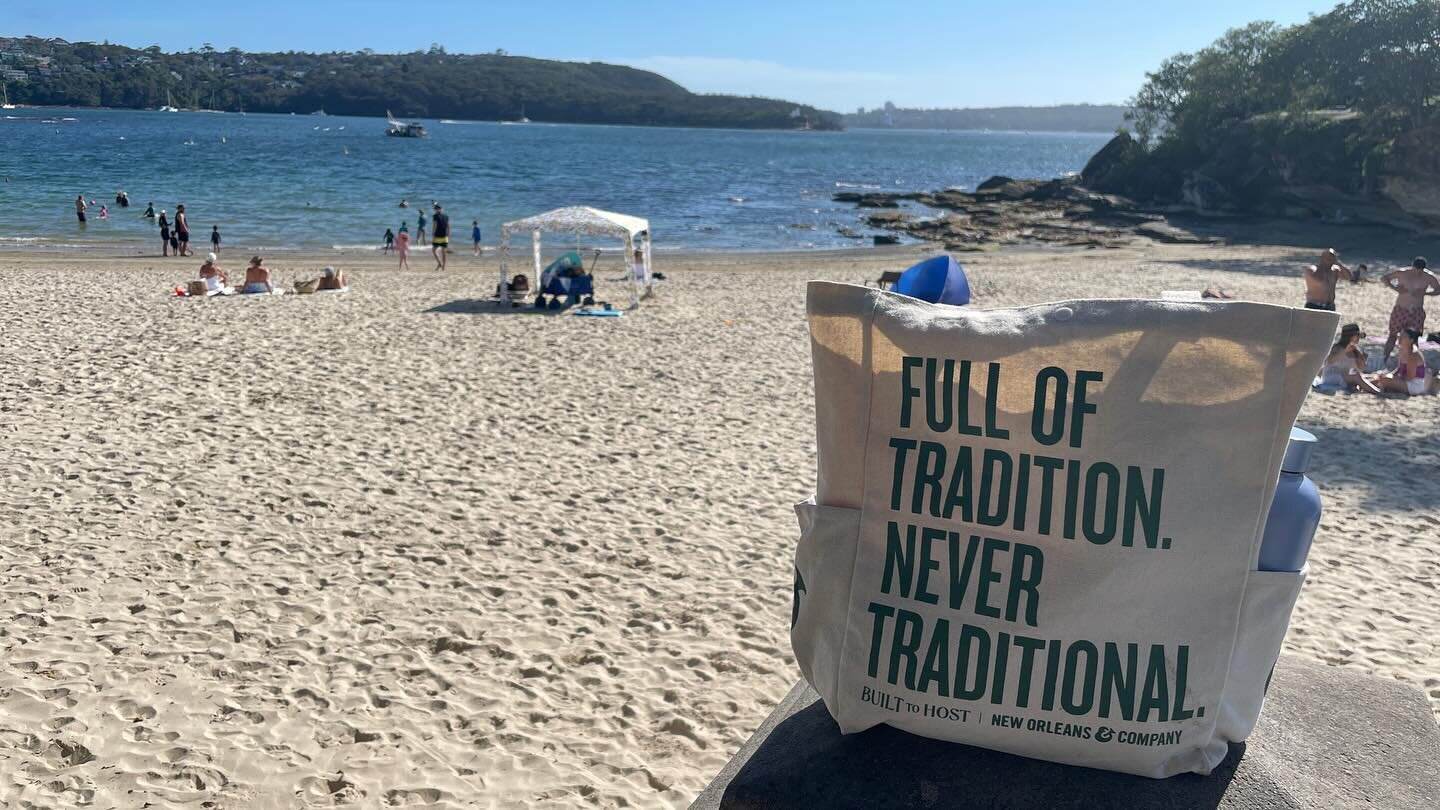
column 401, row 129
column 169, row 105
column 5, row 98
column 320, row 111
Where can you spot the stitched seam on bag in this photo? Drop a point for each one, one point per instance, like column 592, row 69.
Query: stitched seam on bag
column 1252, row 553
column 869, row 357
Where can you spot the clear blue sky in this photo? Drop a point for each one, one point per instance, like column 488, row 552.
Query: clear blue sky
column 838, row 54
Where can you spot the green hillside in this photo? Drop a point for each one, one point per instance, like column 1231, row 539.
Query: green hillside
column 432, row 84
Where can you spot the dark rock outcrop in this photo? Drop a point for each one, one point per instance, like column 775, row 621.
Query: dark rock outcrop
column 1015, row 212
column 1114, row 166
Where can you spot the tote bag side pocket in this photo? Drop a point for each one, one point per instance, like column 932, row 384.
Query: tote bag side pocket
column 1269, row 598
column 824, row 567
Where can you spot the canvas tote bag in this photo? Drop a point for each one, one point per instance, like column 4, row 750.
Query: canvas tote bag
column 1036, row 530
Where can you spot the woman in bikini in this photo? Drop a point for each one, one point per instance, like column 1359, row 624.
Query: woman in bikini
column 1409, row 376
column 1345, row 365
column 257, row 278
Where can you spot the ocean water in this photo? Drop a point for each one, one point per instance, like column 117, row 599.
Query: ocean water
column 277, row 182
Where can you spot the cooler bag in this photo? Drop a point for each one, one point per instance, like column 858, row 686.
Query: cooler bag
column 1036, row 530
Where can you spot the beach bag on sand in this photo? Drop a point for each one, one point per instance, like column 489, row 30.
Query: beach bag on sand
column 1036, row 530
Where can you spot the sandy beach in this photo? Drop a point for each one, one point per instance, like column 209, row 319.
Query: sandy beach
column 392, row 548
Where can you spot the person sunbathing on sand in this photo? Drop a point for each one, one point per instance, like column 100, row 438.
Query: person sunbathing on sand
column 257, row 277
column 213, row 276
column 1345, row 365
column 331, row 279
column 1409, row 374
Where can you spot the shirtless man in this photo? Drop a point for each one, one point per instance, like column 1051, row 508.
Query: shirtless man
column 1411, row 285
column 1320, row 281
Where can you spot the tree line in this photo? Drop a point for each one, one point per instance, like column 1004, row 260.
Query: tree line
column 431, row 83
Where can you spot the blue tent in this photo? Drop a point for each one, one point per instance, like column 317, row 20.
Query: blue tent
column 940, row 280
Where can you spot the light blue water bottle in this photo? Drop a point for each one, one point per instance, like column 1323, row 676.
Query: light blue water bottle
column 1295, row 512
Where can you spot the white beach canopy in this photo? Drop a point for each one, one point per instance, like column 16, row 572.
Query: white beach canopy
column 583, row 221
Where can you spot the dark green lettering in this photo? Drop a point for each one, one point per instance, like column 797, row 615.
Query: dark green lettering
column 1056, row 430
column 995, row 468
column 1146, row 509
column 992, row 393
column 1068, row 699
column 899, row 560
column 908, row 391
column 1105, row 533
column 974, row 643
column 1118, row 679
column 902, row 447
column 937, row 660
column 877, row 635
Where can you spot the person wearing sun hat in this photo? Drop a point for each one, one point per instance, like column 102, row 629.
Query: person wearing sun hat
column 331, row 279
column 214, row 277
column 257, row 277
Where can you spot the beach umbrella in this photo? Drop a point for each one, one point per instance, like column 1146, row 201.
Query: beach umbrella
column 939, row 280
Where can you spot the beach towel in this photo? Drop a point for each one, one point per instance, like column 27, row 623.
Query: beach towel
column 1037, row 530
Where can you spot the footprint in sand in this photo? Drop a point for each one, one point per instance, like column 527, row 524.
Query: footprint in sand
column 20, row 740
column 65, row 723
column 412, row 797
column 326, row 792
column 131, row 711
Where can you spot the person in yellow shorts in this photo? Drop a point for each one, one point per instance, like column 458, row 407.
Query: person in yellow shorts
column 440, row 240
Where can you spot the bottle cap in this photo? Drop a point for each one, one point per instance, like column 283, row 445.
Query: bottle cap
column 1297, row 452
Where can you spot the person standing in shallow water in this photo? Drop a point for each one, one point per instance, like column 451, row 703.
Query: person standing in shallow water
column 402, row 246
column 182, row 231
column 420, row 229
column 215, row 239
column 80, row 208
column 164, row 235
column 441, row 243
column 475, row 235
column 1411, row 285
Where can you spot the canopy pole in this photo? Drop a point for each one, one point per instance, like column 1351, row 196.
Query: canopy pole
column 630, row 270
column 504, row 265
column 645, row 258
column 535, row 248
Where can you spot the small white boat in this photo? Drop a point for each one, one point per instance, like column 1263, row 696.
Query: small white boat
column 5, row 98
column 400, row 129
column 169, row 107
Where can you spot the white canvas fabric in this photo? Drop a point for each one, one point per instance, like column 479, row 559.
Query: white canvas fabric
column 585, row 221
column 1036, row 530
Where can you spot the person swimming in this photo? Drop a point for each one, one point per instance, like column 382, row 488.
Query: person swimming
column 257, row 278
